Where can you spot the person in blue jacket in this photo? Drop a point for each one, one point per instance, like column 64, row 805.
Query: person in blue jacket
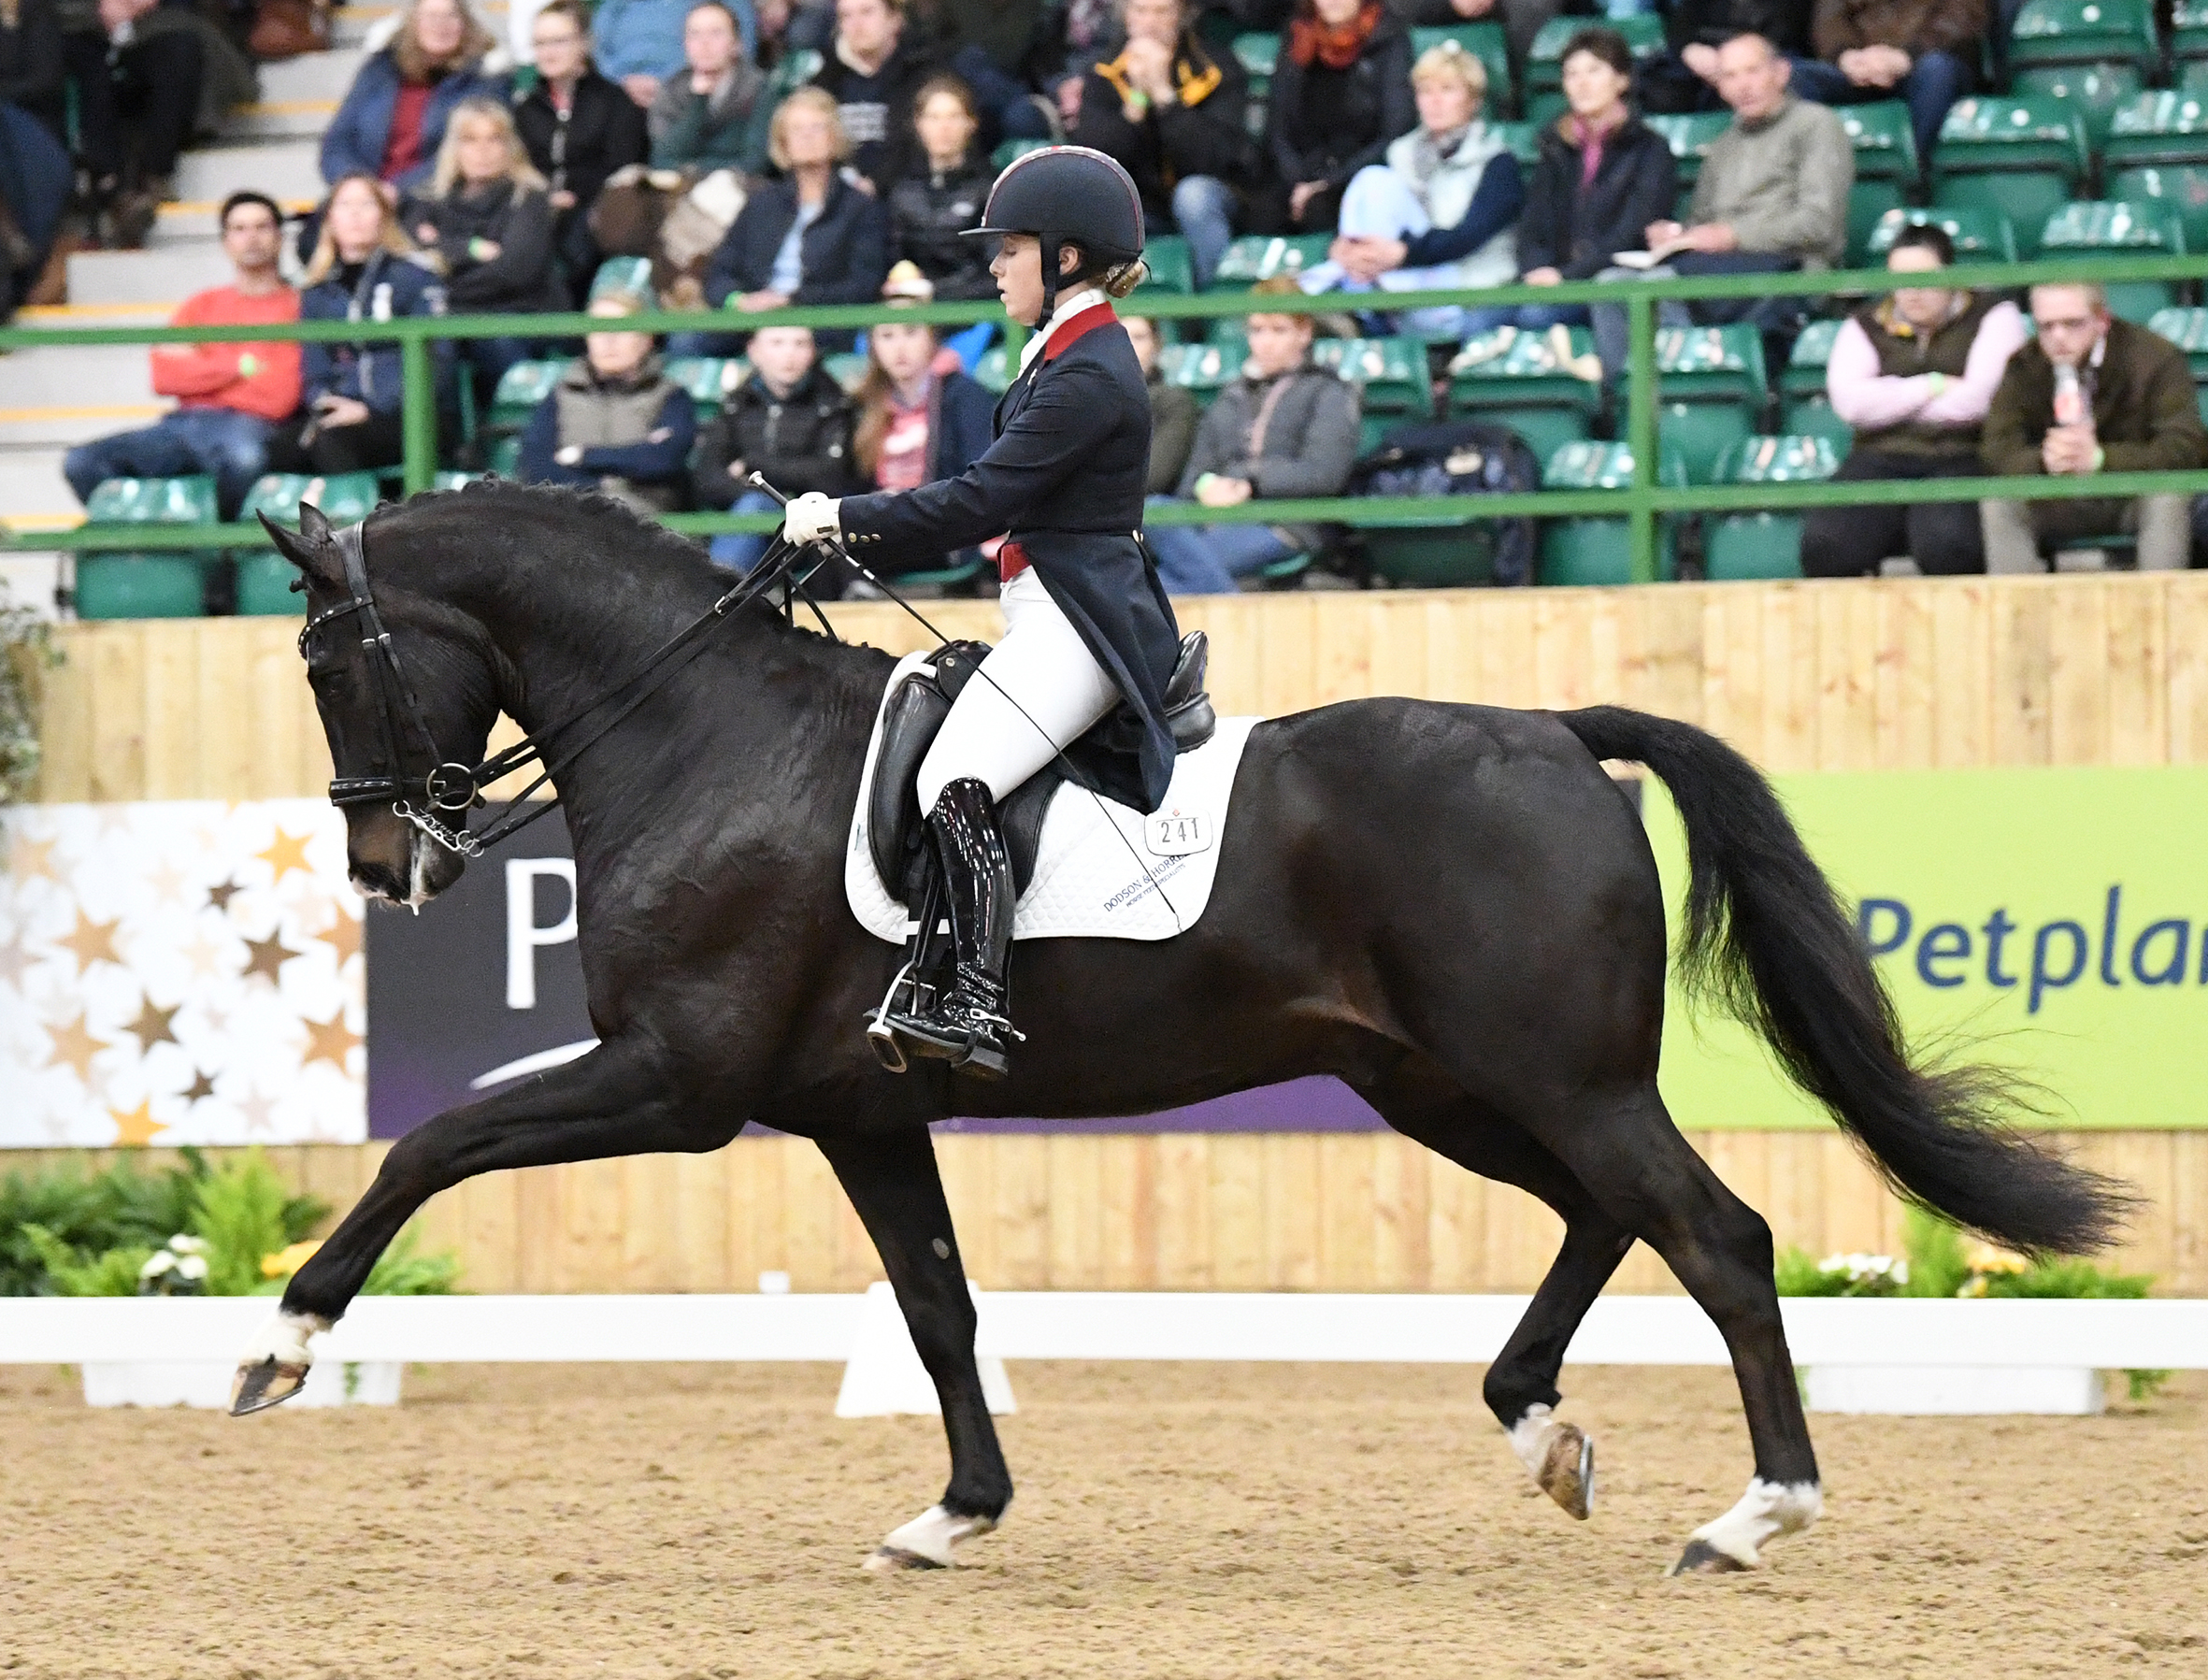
column 638, row 43
column 393, row 119
column 363, row 270
column 1088, row 628
column 615, row 422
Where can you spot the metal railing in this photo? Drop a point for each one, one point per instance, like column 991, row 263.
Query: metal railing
column 1640, row 504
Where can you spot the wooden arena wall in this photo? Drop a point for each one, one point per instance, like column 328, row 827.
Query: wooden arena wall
column 1831, row 676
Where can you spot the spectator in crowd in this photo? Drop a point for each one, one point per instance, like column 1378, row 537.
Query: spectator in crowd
column 702, row 118
column 1172, row 409
column 392, row 123
column 1174, row 114
column 788, row 422
column 640, row 43
column 992, row 46
column 1914, row 373
column 1771, row 197
column 1441, row 212
column 488, row 220
column 1684, row 79
column 229, row 397
column 808, row 238
column 34, row 172
column 1286, row 428
column 2134, row 412
column 920, row 417
column 930, row 210
column 872, row 72
column 1919, row 51
column 1076, row 33
column 615, row 422
column 578, row 128
column 1522, row 19
column 1340, row 96
column 137, row 80
column 1603, row 177
column 362, row 269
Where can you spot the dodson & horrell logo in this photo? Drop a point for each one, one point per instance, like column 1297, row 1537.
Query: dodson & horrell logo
column 2116, row 947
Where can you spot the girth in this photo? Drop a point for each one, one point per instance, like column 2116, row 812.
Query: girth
column 896, row 832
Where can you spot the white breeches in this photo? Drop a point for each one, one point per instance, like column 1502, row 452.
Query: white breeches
column 1041, row 670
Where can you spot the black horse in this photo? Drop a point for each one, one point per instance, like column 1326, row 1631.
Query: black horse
column 1451, row 908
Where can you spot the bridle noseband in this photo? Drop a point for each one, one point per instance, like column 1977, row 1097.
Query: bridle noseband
column 449, row 786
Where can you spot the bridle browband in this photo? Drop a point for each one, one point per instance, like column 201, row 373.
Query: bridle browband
column 449, row 786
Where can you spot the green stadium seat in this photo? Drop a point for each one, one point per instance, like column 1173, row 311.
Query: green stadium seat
column 1742, row 546
column 520, row 389
column 1254, row 257
column 1711, row 392
column 2097, row 91
column 1486, row 42
column 847, row 370
column 1885, row 143
column 2157, row 151
column 1598, row 550
column 506, row 455
column 1979, row 235
column 2189, row 330
column 708, row 378
column 1690, row 139
column 1803, row 407
column 616, row 276
column 1010, row 151
column 1522, row 138
column 1545, row 60
column 145, row 584
column 1516, row 380
column 1390, row 375
column 793, row 72
column 1173, row 271
column 2139, row 229
column 1870, row 203
column 2024, row 158
column 2193, row 79
column 1259, row 54
column 1813, row 417
column 264, row 579
column 2078, row 32
column 948, row 580
column 995, row 368
column 2188, row 30
column 1205, row 370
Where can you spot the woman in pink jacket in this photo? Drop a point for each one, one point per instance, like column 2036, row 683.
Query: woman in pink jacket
column 1913, row 374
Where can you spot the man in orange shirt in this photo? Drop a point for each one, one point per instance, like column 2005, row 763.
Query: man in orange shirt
column 229, row 396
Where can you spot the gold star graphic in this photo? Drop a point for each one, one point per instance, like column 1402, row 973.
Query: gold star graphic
column 152, row 1026
column 219, row 895
column 343, row 934
column 268, row 956
column 286, row 852
column 202, row 1085
column 74, row 1047
column 166, row 880
column 93, row 942
column 257, row 1112
column 328, row 1041
column 33, row 857
column 136, row 1129
column 203, row 954
column 15, row 961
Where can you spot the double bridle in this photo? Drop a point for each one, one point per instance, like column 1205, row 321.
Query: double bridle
column 449, row 786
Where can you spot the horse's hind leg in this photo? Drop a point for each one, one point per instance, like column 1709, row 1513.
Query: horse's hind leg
column 1631, row 1158
column 1521, row 1385
column 893, row 1183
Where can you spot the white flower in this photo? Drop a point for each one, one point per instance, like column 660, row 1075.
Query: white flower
column 160, row 1262
column 192, row 1267
column 188, row 1245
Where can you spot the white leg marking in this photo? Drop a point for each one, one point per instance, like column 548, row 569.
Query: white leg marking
column 283, row 1339
column 1767, row 1511
column 929, row 1538
column 1559, row 1458
column 1530, row 1436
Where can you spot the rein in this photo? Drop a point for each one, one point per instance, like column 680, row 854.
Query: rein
column 451, row 786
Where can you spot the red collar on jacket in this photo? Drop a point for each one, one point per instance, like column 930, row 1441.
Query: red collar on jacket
column 1078, row 326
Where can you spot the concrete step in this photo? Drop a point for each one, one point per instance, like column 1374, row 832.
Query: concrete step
column 148, row 277
column 284, row 169
column 28, row 580
column 64, row 374
column 32, row 493
column 288, row 120
column 316, row 76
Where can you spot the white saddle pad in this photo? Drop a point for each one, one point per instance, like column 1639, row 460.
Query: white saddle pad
column 1101, row 871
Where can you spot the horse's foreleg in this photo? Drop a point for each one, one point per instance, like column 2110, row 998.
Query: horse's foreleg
column 615, row 1101
column 893, row 1183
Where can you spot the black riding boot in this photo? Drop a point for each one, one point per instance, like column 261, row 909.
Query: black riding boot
column 968, row 1025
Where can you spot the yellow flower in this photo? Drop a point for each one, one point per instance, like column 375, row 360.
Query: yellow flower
column 284, row 1264
column 1986, row 1260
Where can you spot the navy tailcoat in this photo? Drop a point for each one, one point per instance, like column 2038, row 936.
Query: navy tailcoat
column 1065, row 477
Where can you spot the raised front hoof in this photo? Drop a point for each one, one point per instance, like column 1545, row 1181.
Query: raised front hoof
column 896, row 1560
column 260, row 1385
column 1567, row 1470
column 1702, row 1558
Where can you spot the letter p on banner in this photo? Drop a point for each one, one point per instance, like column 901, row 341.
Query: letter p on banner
column 523, row 933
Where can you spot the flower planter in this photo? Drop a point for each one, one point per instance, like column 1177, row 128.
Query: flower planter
column 205, row 1383
column 1954, row 1390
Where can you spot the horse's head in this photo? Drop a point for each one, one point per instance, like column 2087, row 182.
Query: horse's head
column 407, row 693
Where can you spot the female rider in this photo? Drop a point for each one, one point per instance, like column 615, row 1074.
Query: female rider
column 1088, row 628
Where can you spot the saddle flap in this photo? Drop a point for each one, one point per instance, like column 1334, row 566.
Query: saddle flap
column 909, row 727
column 1188, row 707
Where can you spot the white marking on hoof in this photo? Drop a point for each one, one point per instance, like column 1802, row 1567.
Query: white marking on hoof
column 1766, row 1512
column 1558, row 1457
column 283, row 1339
column 927, row 1541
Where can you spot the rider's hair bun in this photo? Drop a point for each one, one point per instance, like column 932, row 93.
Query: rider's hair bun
column 1122, row 281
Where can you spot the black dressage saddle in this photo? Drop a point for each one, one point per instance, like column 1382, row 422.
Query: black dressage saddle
column 895, row 830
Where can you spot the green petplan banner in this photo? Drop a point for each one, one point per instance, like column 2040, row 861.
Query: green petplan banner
column 2054, row 919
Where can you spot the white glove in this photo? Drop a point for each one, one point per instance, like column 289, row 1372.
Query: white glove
column 811, row 517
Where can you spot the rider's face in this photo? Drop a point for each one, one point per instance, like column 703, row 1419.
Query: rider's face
column 1018, row 269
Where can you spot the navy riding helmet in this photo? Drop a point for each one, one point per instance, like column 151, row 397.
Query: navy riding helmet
column 1066, row 194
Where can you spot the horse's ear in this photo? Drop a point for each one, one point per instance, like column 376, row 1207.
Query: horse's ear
column 313, row 550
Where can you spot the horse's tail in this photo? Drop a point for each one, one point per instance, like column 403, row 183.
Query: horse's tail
column 1767, row 938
